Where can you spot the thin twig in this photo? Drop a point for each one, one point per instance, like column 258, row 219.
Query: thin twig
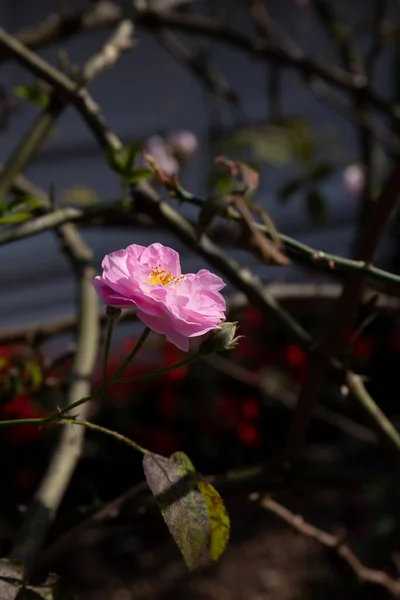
column 343, row 316
column 379, row 11
column 214, row 81
column 56, row 29
column 110, row 432
column 264, row 49
column 364, row 574
column 119, row 42
column 386, row 430
column 339, row 35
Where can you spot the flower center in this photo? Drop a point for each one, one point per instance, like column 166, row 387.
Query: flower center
column 163, row 277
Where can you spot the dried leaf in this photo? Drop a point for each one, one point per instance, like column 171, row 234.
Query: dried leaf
column 219, row 519
column 173, row 481
column 263, row 247
column 12, row 586
column 247, row 177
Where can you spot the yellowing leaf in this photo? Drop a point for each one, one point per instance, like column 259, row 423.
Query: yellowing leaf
column 219, row 519
column 173, row 481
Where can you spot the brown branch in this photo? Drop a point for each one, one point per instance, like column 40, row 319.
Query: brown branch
column 343, row 551
column 263, row 49
column 342, row 318
column 213, row 80
column 379, row 11
column 288, row 56
column 56, row 28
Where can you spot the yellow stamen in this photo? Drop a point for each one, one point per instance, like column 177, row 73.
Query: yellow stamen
column 160, row 276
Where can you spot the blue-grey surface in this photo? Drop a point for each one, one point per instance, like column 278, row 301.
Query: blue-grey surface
column 147, row 91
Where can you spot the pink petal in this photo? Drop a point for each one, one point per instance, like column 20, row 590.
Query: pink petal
column 162, row 325
column 135, row 251
column 210, row 281
column 159, row 255
column 109, row 296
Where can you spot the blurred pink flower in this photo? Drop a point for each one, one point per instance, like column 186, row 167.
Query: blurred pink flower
column 178, row 306
column 183, row 144
column 161, row 152
column 354, row 180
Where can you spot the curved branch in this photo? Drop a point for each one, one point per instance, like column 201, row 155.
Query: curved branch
column 364, row 574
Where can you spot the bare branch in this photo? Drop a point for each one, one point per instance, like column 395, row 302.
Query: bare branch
column 213, row 80
column 364, row 574
column 55, row 28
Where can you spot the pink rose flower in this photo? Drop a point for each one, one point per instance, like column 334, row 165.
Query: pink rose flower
column 179, row 306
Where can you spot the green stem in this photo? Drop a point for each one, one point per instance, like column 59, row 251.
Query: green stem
column 110, row 432
column 131, row 356
column 107, row 344
column 159, row 372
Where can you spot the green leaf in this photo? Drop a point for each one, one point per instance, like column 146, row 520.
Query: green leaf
column 22, row 201
column 37, row 93
column 290, row 187
column 219, row 519
column 79, row 195
column 321, row 172
column 173, row 482
column 36, row 375
column 272, row 144
column 182, row 459
column 15, row 218
column 316, row 207
column 139, row 173
column 122, row 161
column 220, row 181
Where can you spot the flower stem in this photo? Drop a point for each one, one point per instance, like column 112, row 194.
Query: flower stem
column 110, row 432
column 107, row 344
column 158, row 372
column 131, row 356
